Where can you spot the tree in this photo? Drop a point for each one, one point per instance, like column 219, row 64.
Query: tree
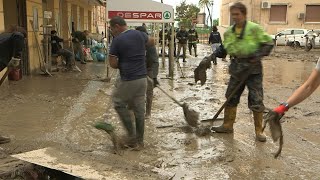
column 207, row 4
column 216, row 22
column 186, row 12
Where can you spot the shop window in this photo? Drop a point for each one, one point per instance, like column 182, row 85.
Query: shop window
column 278, row 13
column 312, row 13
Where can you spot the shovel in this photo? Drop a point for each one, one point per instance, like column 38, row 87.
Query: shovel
column 273, row 119
column 190, row 115
column 4, row 76
column 41, row 58
column 215, row 117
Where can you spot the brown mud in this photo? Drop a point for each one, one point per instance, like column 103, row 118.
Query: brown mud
column 60, row 111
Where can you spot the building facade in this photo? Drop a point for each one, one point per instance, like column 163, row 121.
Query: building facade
column 65, row 16
column 276, row 15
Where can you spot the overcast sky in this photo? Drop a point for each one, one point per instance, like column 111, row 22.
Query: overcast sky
column 216, row 6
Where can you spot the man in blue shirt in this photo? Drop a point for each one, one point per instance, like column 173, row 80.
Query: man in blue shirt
column 128, row 54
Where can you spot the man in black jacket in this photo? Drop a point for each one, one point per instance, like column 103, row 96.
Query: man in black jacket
column 56, row 48
column 193, row 40
column 166, row 38
column 11, row 47
column 182, row 37
column 215, row 41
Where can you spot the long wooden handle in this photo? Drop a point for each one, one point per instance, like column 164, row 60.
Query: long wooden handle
column 4, row 76
column 174, row 99
column 232, row 94
column 228, row 99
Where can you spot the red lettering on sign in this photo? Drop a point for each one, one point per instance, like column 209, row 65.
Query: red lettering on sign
column 136, row 15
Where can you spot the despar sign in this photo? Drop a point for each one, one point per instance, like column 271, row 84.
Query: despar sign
column 136, row 15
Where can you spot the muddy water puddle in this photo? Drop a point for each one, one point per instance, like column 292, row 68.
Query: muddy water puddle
column 242, row 155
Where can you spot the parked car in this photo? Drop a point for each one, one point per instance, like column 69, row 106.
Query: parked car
column 282, row 37
column 312, row 40
column 312, row 35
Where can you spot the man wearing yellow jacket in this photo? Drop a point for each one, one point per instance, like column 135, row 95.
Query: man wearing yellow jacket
column 246, row 43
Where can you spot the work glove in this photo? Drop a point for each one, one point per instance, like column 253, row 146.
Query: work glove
column 14, row 62
column 281, row 109
column 265, row 49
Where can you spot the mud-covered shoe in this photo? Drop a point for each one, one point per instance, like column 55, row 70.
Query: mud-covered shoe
column 4, row 140
column 261, row 137
column 138, row 147
column 221, row 129
column 130, row 142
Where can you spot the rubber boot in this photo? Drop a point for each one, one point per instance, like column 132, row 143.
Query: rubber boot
column 148, row 107
column 258, row 116
column 195, row 52
column 125, row 117
column 228, row 121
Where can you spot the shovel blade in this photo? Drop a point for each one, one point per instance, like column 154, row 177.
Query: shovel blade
column 191, row 116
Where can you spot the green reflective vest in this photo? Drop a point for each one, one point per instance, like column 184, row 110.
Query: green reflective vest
column 253, row 36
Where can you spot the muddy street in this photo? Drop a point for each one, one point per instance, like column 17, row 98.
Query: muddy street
column 59, row 113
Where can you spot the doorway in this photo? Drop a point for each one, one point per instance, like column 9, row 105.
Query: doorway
column 15, row 12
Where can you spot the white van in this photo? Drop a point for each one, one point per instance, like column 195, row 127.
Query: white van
column 301, row 41
column 282, row 37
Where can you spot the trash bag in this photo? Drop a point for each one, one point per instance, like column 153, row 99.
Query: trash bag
column 100, row 56
column 200, row 73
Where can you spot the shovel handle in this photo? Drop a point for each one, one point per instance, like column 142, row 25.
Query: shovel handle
column 174, row 99
column 228, row 99
column 4, row 76
column 232, row 94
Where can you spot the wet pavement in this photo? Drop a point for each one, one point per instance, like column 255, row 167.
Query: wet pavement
column 60, row 111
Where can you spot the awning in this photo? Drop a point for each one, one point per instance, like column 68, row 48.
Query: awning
column 141, row 11
column 95, row 2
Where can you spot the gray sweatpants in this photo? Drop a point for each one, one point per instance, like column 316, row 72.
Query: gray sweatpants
column 131, row 93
